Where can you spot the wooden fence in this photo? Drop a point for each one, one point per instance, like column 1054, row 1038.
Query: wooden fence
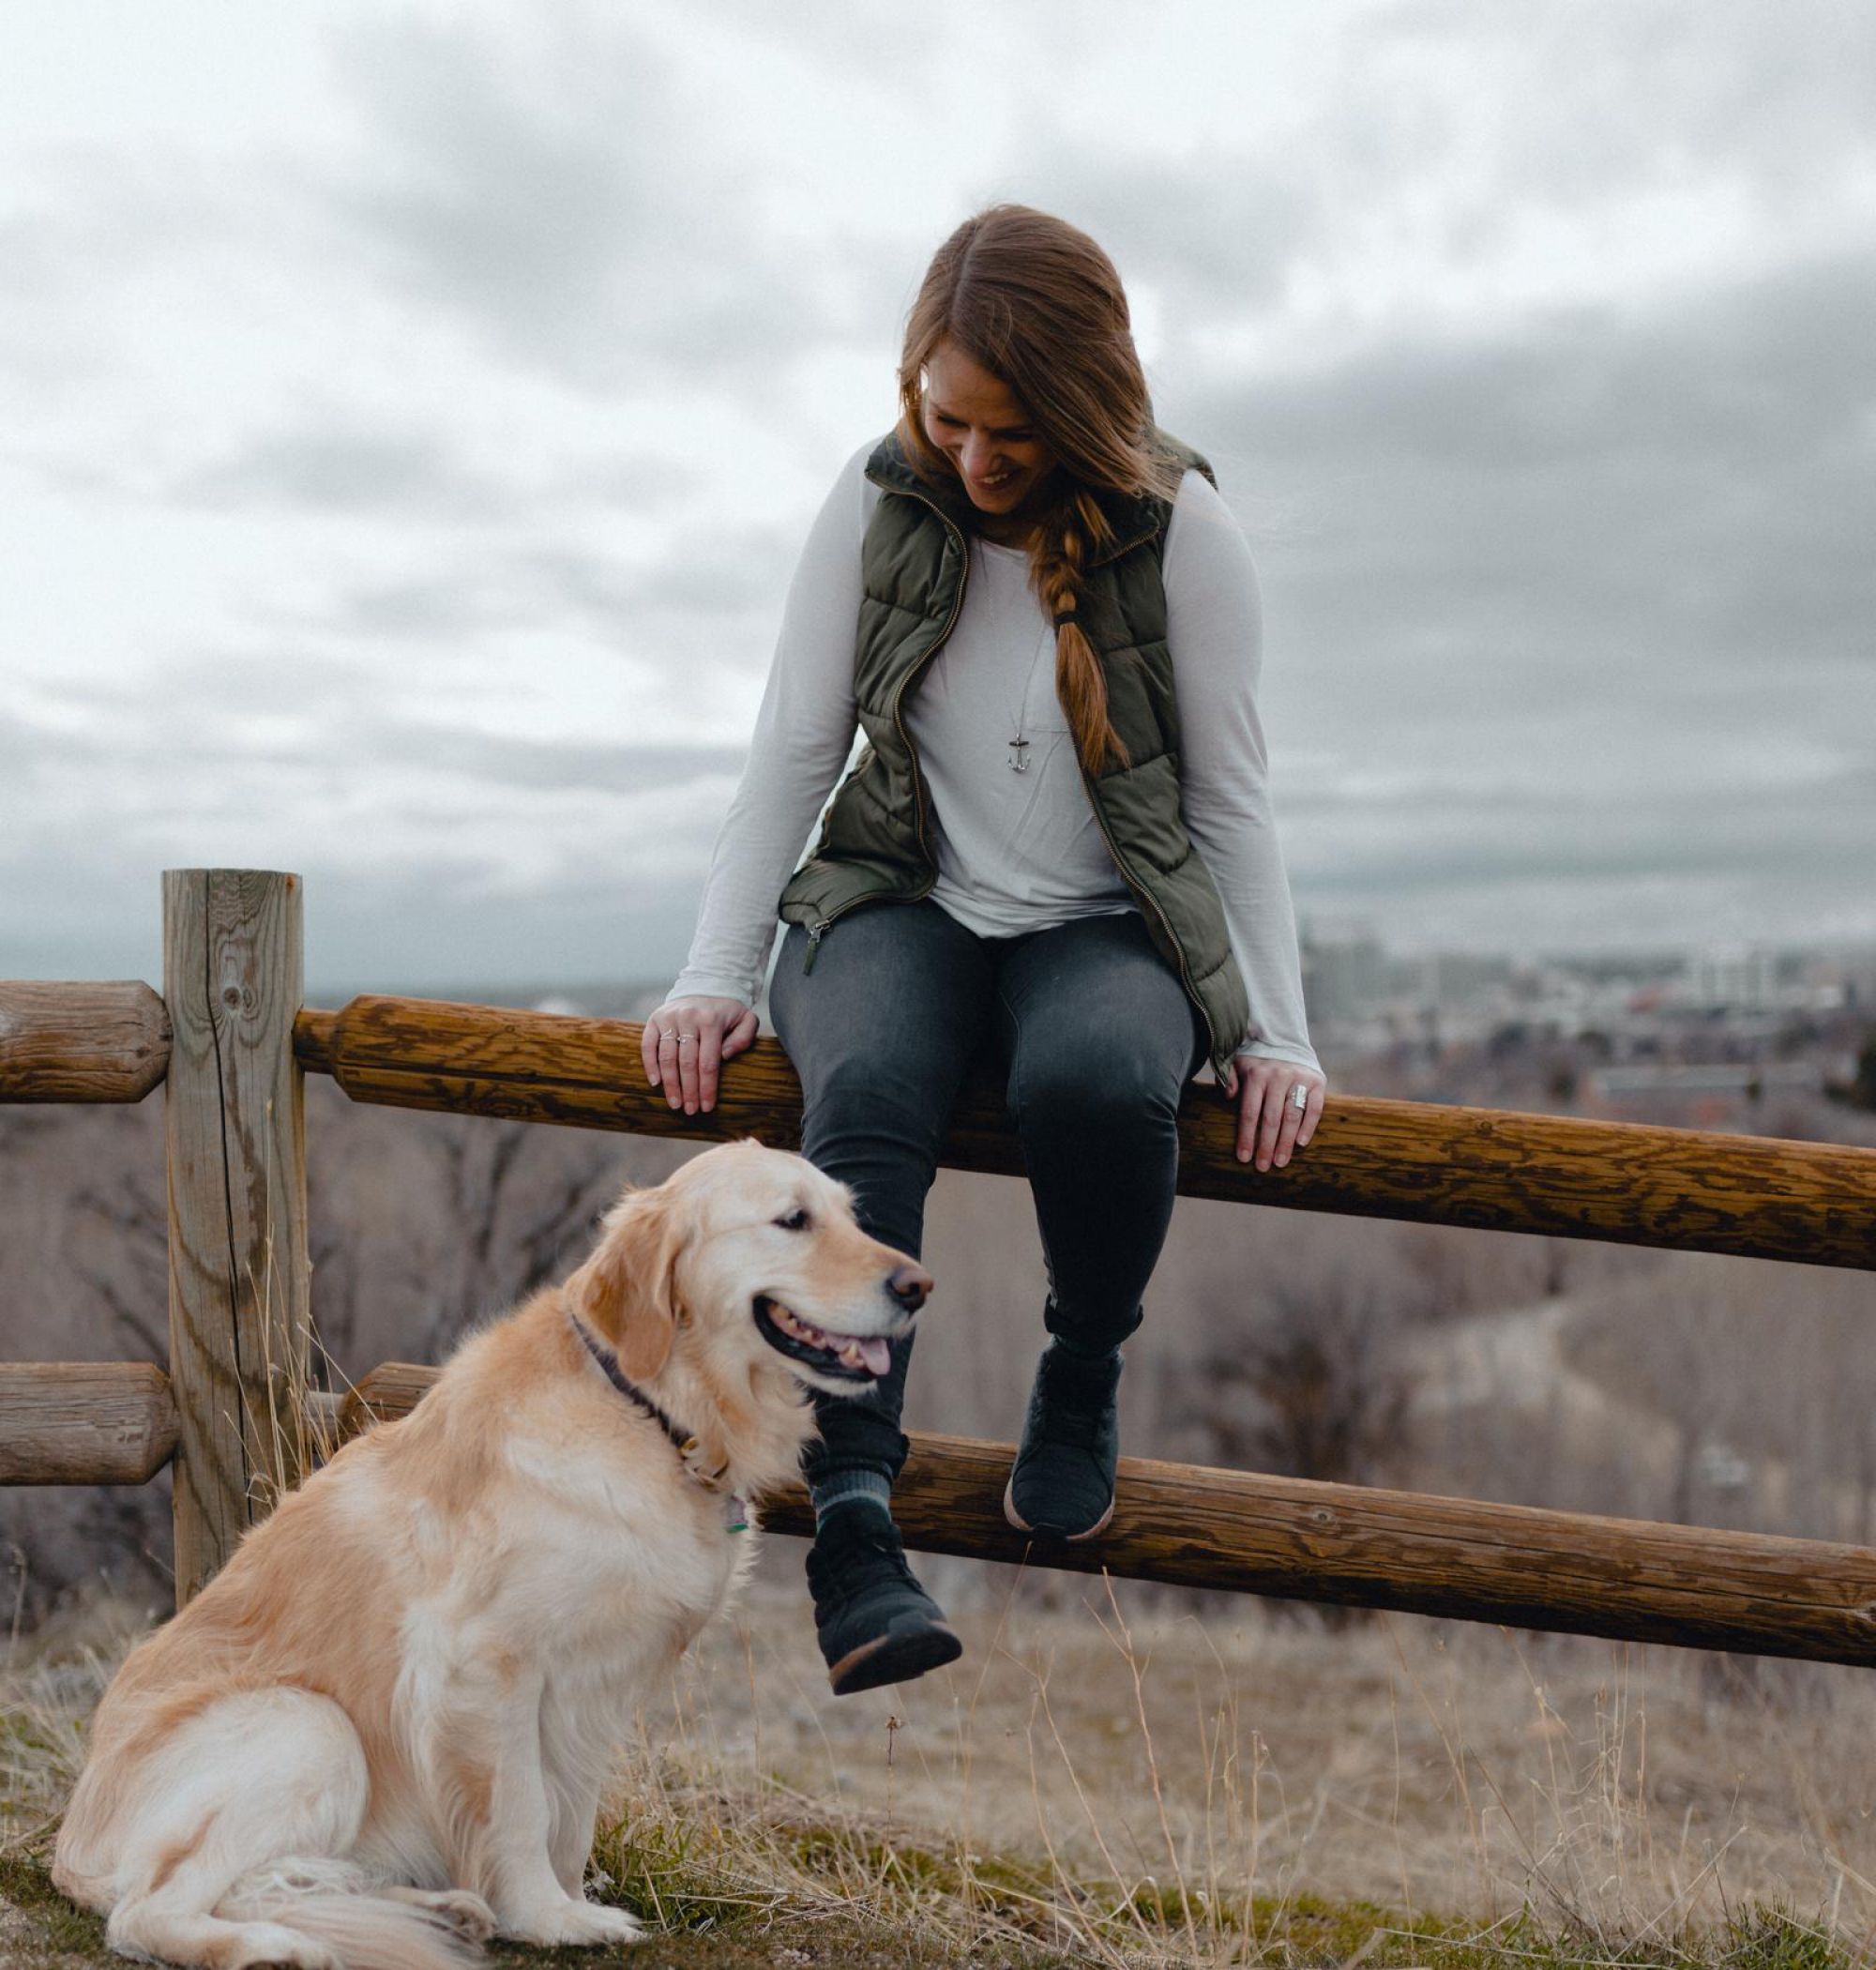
column 231, row 1042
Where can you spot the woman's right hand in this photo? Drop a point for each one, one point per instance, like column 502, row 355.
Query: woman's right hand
column 685, row 1042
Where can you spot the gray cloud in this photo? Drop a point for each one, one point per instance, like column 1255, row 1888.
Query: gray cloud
column 681, row 599
column 1733, row 378
column 1625, row 94
column 486, row 758
column 1675, row 503
column 422, row 609
column 582, row 230
column 331, row 469
column 314, row 712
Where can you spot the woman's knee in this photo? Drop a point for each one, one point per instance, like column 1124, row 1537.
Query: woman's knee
column 903, row 1098
column 1104, row 1090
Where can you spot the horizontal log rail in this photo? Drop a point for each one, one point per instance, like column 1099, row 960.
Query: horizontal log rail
column 1624, row 1182
column 1187, row 1525
column 1178, row 1524
column 79, row 1043
column 84, row 1422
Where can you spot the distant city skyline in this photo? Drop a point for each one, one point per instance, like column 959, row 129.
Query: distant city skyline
column 409, row 417
column 1649, row 963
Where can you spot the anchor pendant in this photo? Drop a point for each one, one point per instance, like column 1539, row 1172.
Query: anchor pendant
column 1019, row 755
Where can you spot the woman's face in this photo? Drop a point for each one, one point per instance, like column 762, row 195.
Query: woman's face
column 979, row 423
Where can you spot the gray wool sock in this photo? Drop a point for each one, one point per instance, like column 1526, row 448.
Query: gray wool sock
column 872, row 1489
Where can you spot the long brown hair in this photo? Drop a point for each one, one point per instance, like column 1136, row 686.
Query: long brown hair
column 1036, row 303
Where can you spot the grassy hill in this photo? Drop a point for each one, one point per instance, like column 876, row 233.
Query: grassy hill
column 1108, row 1779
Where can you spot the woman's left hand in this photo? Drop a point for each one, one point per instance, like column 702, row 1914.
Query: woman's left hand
column 1269, row 1122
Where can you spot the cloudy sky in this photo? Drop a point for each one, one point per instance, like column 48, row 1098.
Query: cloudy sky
column 409, row 415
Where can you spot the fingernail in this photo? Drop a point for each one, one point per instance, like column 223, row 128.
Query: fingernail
column 1243, row 1156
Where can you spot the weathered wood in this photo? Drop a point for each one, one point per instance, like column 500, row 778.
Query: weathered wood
column 79, row 1042
column 1624, row 1182
column 1247, row 1533
column 239, row 1278
column 84, row 1422
column 393, row 1389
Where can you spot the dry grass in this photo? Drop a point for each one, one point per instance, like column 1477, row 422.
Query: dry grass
column 1114, row 1781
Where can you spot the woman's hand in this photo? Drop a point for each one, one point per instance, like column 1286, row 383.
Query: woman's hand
column 1269, row 1123
column 685, row 1042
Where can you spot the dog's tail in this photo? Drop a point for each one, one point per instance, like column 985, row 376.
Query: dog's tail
column 366, row 1928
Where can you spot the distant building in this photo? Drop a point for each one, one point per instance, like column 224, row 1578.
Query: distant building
column 1842, row 977
column 1713, row 1077
column 1344, row 973
column 1467, row 978
column 1738, row 978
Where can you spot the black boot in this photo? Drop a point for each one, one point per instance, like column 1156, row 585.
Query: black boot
column 1063, row 1480
column 874, row 1622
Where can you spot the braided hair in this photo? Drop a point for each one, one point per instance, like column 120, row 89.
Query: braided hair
column 1035, row 302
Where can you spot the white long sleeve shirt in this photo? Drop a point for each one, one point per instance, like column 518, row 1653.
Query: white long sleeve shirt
column 1015, row 851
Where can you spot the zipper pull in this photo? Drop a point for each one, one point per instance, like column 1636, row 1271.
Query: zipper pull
column 814, row 945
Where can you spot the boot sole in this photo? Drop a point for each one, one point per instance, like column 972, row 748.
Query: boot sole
column 1071, row 1539
column 893, row 1659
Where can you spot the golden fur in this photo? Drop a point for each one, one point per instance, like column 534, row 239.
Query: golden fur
column 379, row 1736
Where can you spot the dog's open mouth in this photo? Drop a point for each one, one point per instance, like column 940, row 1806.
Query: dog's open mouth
column 845, row 1356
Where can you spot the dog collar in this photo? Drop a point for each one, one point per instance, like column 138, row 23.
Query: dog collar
column 735, row 1512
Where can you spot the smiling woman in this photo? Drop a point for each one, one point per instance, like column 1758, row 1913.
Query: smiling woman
column 1071, row 867
column 979, row 424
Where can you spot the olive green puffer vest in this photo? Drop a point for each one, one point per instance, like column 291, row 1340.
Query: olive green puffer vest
column 874, row 842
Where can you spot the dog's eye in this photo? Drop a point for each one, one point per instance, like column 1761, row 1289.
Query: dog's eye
column 795, row 1219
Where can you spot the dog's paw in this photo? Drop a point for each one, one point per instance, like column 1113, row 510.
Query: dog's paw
column 270, row 1943
column 468, row 1914
column 576, row 1923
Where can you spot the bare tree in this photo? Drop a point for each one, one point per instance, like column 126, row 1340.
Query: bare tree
column 119, row 1237
column 1304, row 1382
column 518, row 1200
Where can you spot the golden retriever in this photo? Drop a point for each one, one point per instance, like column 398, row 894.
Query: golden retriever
column 380, row 1734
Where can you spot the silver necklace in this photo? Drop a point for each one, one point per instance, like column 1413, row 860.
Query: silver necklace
column 1018, row 746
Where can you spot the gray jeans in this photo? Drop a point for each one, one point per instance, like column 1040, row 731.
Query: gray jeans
column 1096, row 1038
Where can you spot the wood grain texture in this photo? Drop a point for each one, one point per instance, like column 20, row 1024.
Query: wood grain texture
column 240, row 1277
column 84, row 1422
column 1246, row 1533
column 1624, row 1182
column 81, row 1042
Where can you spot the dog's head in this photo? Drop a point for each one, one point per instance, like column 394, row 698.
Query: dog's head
column 748, row 1254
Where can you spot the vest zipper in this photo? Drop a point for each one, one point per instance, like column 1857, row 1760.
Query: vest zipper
column 919, row 670
column 820, row 930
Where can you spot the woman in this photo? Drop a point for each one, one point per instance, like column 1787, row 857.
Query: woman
column 1072, row 862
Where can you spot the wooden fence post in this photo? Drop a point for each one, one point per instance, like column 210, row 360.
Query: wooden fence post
column 240, row 1281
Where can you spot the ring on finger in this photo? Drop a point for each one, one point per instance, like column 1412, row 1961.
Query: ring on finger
column 1300, row 1096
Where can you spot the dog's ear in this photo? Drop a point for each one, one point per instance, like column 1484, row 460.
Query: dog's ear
column 627, row 1290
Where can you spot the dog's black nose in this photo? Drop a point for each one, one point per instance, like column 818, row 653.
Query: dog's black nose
column 909, row 1285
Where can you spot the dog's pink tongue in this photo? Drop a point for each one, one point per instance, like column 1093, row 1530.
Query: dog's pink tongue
column 876, row 1355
